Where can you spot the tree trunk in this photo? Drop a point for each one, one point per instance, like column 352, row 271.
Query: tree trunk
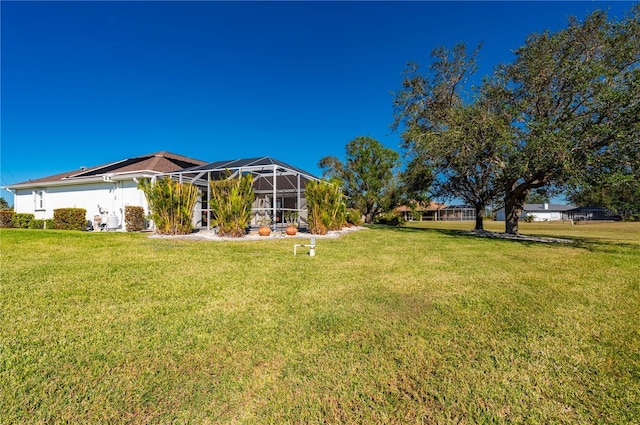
column 479, row 217
column 513, row 206
column 369, row 214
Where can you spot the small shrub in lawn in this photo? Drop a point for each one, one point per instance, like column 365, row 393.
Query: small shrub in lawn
column 6, row 218
column 390, row 219
column 23, row 220
column 49, row 224
column 70, row 218
column 134, row 218
column 354, row 217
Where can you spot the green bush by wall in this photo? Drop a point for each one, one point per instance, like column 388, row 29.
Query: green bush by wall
column 134, row 218
column 36, row 224
column 23, row 220
column 70, row 218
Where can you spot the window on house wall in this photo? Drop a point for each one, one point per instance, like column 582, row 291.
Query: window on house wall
column 39, row 199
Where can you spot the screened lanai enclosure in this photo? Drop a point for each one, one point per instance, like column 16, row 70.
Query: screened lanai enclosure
column 278, row 186
column 456, row 213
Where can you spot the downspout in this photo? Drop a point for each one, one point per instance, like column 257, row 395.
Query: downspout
column 123, row 225
column 209, row 201
column 298, row 202
column 275, row 203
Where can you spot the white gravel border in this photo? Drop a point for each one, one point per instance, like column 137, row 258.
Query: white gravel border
column 210, row 235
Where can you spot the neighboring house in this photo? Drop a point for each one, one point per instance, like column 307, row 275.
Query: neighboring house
column 436, row 211
column 592, row 213
column 541, row 212
column 104, row 191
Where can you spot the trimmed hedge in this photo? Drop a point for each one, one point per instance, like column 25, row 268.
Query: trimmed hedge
column 36, row 224
column 134, row 218
column 70, row 218
column 6, row 218
column 23, row 220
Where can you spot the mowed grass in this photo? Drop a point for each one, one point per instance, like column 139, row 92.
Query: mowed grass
column 420, row 324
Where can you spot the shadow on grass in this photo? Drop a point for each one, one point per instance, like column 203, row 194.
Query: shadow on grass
column 590, row 244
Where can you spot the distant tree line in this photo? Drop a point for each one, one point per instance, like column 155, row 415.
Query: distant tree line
column 562, row 117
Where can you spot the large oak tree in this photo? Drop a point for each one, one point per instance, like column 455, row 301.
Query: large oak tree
column 572, row 99
column 575, row 96
column 460, row 137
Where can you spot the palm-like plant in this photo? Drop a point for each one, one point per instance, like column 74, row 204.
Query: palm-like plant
column 171, row 204
column 327, row 210
column 230, row 203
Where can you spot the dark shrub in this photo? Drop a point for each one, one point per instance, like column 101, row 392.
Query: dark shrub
column 6, row 218
column 390, row 219
column 23, row 220
column 70, row 218
column 134, row 218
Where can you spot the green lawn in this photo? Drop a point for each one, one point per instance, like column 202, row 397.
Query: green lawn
column 413, row 325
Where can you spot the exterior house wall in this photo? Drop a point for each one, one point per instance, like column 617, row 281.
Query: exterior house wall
column 546, row 216
column 556, row 213
column 99, row 198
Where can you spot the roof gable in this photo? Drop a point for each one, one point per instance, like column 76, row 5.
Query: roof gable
column 159, row 162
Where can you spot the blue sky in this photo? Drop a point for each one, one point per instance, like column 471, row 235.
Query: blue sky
column 86, row 83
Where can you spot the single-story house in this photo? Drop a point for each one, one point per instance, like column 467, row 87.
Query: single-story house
column 541, row 212
column 105, row 190
column 592, row 213
column 435, row 211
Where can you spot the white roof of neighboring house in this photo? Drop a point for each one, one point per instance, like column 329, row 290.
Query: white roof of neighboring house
column 533, row 208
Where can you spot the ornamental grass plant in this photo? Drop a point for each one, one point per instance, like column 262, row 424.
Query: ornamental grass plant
column 230, row 204
column 171, row 204
column 326, row 205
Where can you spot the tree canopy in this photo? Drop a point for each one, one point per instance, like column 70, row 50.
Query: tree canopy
column 575, row 99
column 3, row 203
column 563, row 112
column 367, row 175
column 462, row 142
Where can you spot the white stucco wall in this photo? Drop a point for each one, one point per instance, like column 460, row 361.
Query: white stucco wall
column 546, row 216
column 537, row 216
column 99, row 198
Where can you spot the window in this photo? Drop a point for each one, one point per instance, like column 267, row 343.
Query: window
column 39, row 199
